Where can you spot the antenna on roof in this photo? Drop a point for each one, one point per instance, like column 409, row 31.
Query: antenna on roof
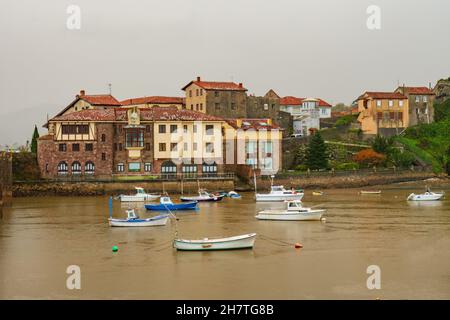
column 110, row 88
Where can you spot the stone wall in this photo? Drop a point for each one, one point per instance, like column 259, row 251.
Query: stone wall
column 5, row 179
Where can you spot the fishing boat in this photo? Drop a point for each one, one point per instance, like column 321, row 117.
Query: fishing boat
column 166, row 204
column 245, row 241
column 203, row 195
column 370, row 192
column 140, row 196
column 279, row 193
column 133, row 219
column 427, row 196
column 294, row 212
column 317, row 193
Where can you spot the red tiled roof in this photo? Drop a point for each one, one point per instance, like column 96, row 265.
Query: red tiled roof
column 151, row 114
column 294, row 101
column 100, row 100
column 213, row 85
column 153, row 100
column 383, row 95
column 257, row 124
column 418, row 90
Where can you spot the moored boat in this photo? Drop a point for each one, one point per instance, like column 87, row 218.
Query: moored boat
column 245, row 241
column 140, row 196
column 203, row 195
column 317, row 193
column 294, row 212
column 133, row 220
column 279, row 193
column 427, row 196
column 234, row 195
column 166, row 204
column 370, row 192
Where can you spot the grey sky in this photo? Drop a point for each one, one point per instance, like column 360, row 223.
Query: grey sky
column 304, row 48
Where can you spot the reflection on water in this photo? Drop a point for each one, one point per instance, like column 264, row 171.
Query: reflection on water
column 410, row 241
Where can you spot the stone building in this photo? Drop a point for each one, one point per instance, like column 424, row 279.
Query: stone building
column 420, row 104
column 224, row 99
column 154, row 101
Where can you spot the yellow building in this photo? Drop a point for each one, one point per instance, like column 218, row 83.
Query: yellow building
column 384, row 113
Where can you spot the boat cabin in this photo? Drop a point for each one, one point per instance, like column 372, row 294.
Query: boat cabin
column 139, row 190
column 165, row 200
column 294, row 205
column 131, row 214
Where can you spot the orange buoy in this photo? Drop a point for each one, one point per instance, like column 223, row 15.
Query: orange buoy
column 298, row 245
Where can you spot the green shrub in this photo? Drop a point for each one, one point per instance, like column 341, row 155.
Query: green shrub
column 347, row 166
column 301, row 167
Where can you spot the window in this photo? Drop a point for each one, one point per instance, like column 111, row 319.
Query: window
column 194, row 128
column 391, row 103
column 120, row 147
column 190, row 93
column 268, row 163
column 217, row 106
column 196, row 92
column 209, row 168
column 194, row 146
column 185, row 128
column 233, row 106
column 162, row 128
column 174, row 146
column 417, row 99
column 209, row 129
column 62, row 147
column 209, row 147
column 185, row 147
column 103, row 137
column 76, row 168
column 62, row 168
column 147, row 146
column 216, row 93
column 89, row 167
column 266, row 106
column 103, row 156
column 76, row 147
column 75, row 129
column 120, row 167
column 89, row 147
column 192, row 107
column 162, row 147
column 201, row 106
column 378, row 103
column 173, row 128
column 189, row 169
column 134, row 138
column 134, row 166
column 147, row 128
column 168, row 167
column 267, row 147
column 196, row 106
column 147, row 167
column 201, row 92
column 400, row 103
column 425, row 99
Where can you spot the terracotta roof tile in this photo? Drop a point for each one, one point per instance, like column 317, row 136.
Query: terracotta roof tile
column 294, row 101
column 383, row 95
column 100, row 100
column 153, row 100
column 256, row 124
column 214, row 85
column 418, row 90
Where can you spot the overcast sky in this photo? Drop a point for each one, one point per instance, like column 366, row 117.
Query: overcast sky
column 319, row 48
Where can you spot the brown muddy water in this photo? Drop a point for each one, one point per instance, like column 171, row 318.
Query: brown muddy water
column 410, row 242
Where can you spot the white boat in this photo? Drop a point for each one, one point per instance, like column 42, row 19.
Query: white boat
column 140, row 196
column 370, row 192
column 427, row 196
column 294, row 212
column 279, row 193
column 133, row 220
column 245, row 241
column 204, row 195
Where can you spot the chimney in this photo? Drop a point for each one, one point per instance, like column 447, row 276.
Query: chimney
column 82, row 92
column 429, row 85
column 240, row 85
column 199, row 79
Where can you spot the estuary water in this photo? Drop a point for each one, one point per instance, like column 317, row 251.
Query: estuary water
column 410, row 242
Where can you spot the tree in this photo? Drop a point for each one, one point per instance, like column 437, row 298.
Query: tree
column 316, row 154
column 441, row 110
column 34, row 140
column 369, row 157
column 448, row 162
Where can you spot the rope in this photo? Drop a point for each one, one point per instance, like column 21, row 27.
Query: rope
column 276, row 240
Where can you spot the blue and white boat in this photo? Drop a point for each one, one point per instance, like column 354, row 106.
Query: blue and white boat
column 166, row 204
column 133, row 219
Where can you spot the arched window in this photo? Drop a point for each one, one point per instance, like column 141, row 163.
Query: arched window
column 169, row 168
column 76, row 168
column 89, row 168
column 62, row 168
column 209, row 168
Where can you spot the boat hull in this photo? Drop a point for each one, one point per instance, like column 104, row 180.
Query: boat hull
column 370, row 192
column 425, row 197
column 278, row 198
column 203, row 199
column 151, row 222
column 172, row 207
column 232, row 243
column 316, row 215
column 137, row 198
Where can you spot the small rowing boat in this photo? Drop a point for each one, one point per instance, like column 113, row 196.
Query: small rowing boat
column 370, row 192
column 203, row 195
column 166, row 204
column 294, row 212
column 140, row 196
column 245, row 241
column 317, row 193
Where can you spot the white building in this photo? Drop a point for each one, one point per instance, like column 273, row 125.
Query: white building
column 306, row 112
